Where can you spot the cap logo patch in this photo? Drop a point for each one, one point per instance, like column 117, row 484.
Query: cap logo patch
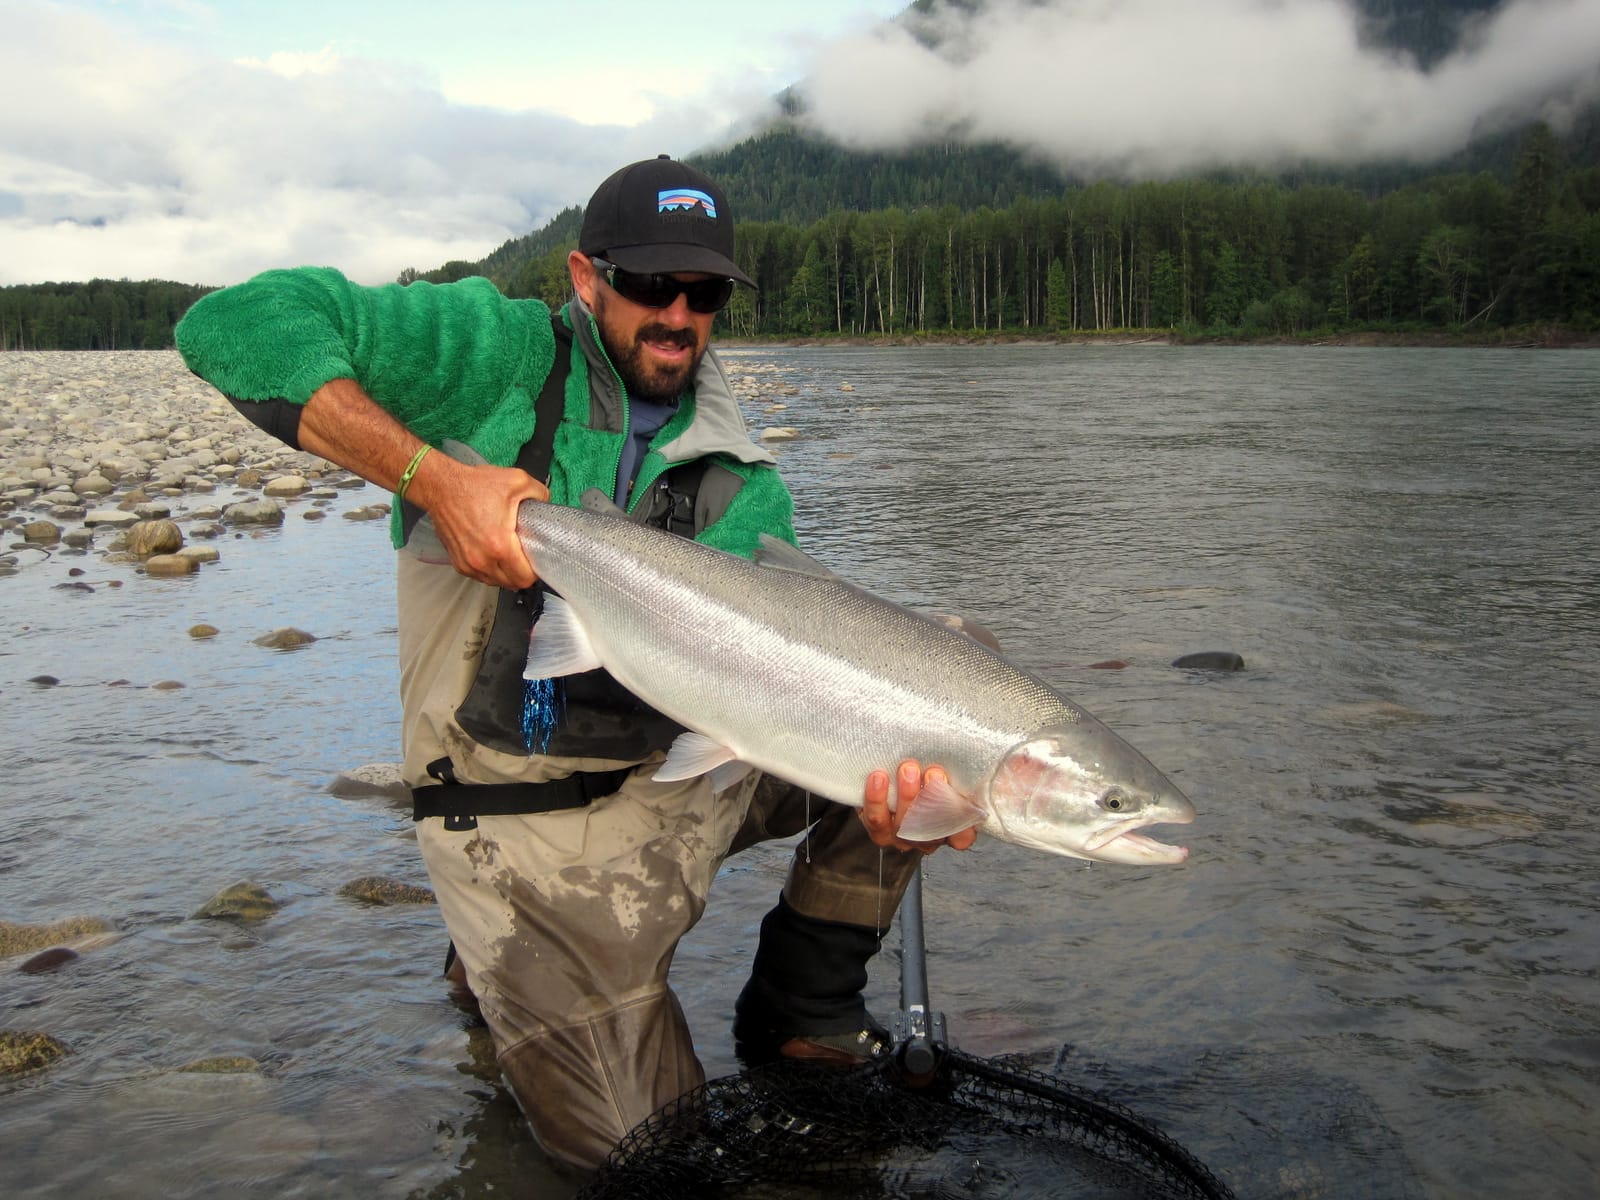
column 685, row 200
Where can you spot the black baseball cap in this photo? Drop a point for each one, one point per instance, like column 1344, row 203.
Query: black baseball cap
column 661, row 215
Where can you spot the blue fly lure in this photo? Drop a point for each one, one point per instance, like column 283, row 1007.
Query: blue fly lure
column 543, row 705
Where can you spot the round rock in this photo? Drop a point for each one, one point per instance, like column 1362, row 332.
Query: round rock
column 286, row 485
column 94, row 485
column 241, row 902
column 254, row 512
column 145, row 538
column 285, row 638
column 171, row 564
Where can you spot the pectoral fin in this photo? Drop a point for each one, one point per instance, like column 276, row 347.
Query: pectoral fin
column 558, row 644
column 728, row 774
column 938, row 811
column 693, row 755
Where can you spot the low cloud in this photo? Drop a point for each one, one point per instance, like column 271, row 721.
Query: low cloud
column 123, row 156
column 1153, row 88
column 126, row 155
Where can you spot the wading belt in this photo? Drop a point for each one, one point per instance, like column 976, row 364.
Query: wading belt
column 462, row 804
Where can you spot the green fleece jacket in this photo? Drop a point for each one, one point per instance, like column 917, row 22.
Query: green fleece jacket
column 461, row 361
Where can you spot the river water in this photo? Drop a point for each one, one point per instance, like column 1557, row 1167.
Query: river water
column 1376, row 974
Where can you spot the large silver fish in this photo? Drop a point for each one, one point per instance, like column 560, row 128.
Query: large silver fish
column 779, row 664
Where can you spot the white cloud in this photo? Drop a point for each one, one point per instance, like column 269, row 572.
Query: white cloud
column 127, row 148
column 292, row 65
column 124, row 156
column 1157, row 87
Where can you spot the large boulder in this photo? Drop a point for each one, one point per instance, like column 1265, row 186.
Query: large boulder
column 146, row 538
column 254, row 512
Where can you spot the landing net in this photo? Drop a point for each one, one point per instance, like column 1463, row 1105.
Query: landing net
column 979, row 1128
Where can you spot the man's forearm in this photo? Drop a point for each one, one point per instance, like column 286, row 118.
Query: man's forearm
column 474, row 508
column 346, row 426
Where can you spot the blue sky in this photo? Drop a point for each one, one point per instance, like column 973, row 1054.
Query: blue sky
column 603, row 61
column 204, row 142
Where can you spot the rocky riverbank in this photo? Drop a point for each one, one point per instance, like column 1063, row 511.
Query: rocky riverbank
column 128, row 456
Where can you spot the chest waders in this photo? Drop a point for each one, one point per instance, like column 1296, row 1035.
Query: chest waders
column 581, row 716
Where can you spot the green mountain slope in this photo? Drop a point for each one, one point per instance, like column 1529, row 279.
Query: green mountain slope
column 787, row 175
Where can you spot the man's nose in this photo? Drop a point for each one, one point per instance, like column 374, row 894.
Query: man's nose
column 677, row 314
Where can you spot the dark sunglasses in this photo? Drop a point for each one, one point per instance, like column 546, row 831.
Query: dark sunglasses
column 657, row 290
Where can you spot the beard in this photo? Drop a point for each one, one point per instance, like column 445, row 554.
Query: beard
column 652, row 382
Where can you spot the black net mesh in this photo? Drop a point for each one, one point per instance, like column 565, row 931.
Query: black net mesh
column 978, row 1128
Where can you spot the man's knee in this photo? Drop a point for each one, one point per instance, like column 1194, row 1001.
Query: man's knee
column 584, row 1086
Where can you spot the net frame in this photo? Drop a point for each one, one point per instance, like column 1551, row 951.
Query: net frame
column 794, row 1128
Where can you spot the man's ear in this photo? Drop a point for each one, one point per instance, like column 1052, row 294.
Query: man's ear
column 583, row 277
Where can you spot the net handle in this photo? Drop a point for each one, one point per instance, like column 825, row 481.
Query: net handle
column 920, row 1031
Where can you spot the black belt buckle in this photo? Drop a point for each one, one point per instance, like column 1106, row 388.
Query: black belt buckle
column 460, row 822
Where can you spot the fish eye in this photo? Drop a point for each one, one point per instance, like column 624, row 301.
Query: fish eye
column 1114, row 800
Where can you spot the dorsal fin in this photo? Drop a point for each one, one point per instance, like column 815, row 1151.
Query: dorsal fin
column 596, row 501
column 462, row 452
column 777, row 553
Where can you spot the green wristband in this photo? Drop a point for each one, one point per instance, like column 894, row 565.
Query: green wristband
column 411, row 469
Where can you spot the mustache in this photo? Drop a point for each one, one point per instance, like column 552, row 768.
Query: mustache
column 683, row 338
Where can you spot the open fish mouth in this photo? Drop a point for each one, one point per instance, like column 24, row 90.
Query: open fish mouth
column 1122, row 843
column 1137, row 848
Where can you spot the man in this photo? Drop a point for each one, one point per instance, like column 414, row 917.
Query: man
column 565, row 873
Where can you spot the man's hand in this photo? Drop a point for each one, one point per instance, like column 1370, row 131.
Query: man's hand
column 883, row 826
column 474, row 512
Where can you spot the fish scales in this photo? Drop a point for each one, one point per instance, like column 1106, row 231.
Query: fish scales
column 818, row 681
column 826, row 684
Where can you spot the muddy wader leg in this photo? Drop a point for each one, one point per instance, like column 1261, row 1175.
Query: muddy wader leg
column 566, row 924
column 804, row 997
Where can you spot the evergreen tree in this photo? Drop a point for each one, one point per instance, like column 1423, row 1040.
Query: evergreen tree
column 1225, row 302
column 1058, row 303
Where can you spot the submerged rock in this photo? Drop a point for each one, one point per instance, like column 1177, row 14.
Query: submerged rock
column 375, row 889
column 25, row 1051
column 26, row 939
column 285, row 638
column 373, row 779
column 1211, row 660
column 49, row 960
column 241, row 902
column 227, row 1064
